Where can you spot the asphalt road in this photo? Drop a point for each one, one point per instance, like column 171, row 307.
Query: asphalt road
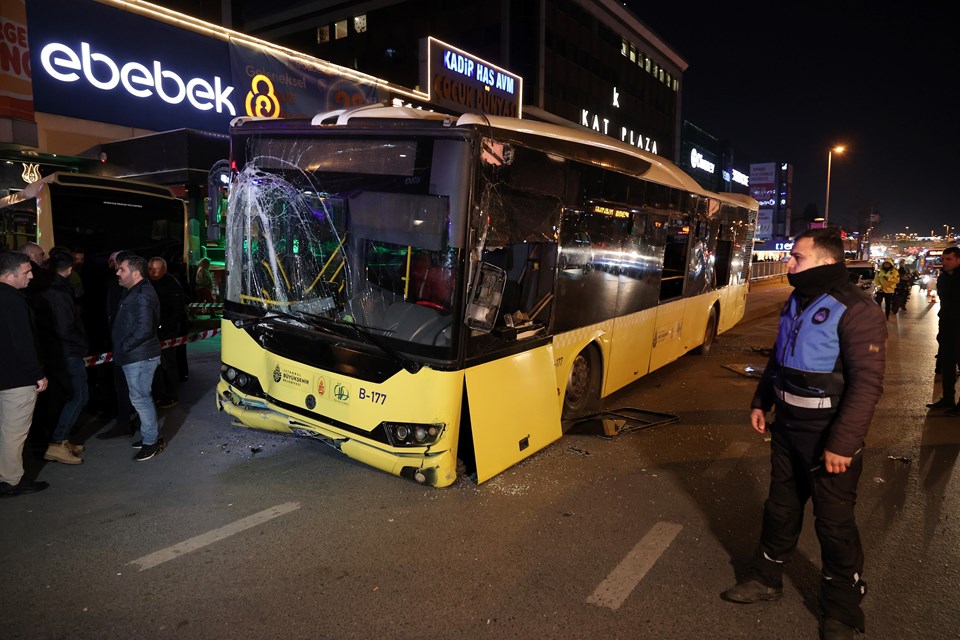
column 243, row 534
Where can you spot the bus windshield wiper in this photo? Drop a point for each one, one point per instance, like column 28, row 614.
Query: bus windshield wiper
column 327, row 327
column 360, row 332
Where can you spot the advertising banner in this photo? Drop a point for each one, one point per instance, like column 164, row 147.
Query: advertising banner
column 276, row 85
column 16, row 91
column 763, row 188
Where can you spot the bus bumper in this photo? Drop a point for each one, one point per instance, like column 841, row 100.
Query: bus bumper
column 433, row 469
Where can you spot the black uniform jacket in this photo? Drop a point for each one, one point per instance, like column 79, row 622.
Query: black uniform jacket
column 18, row 352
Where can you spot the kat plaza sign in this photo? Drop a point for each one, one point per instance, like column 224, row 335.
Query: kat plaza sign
column 610, row 126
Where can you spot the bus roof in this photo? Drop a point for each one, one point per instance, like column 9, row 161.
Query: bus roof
column 73, row 179
column 661, row 170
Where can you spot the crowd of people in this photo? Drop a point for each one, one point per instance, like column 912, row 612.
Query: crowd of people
column 44, row 384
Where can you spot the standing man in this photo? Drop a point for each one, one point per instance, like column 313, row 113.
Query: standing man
column 886, row 280
column 38, row 264
column 136, row 348
column 123, row 428
column 204, row 282
column 63, row 344
column 173, row 322
column 825, row 377
column 21, row 377
column 948, row 354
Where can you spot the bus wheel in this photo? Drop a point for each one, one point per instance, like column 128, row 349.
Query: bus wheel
column 583, row 384
column 709, row 335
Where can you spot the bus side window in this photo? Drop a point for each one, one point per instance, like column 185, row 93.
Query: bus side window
column 675, row 257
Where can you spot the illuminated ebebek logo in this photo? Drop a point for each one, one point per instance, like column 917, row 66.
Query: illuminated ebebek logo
column 261, row 100
column 139, row 80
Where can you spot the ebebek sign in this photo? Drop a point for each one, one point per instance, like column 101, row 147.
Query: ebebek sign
column 98, row 62
column 63, row 64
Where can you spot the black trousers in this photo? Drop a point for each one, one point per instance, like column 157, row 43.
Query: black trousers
column 796, row 476
column 887, row 302
column 124, row 408
column 166, row 381
column 948, row 356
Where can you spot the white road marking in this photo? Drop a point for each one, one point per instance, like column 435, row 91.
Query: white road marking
column 627, row 575
column 185, row 547
column 720, row 467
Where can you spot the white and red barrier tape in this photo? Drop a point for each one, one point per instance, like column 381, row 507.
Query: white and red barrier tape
column 205, row 306
column 92, row 361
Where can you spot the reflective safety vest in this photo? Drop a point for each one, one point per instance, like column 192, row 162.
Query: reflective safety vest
column 810, row 379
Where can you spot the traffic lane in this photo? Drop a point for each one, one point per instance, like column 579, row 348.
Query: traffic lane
column 520, row 554
column 524, row 551
column 906, row 506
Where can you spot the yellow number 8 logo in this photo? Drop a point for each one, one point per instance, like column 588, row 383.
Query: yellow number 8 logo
column 262, row 104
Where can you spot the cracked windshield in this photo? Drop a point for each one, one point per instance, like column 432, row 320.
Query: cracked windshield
column 361, row 235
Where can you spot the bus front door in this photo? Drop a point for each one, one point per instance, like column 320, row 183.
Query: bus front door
column 513, row 409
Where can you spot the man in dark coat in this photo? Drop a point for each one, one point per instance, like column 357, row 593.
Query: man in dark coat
column 62, row 347
column 124, row 426
column 948, row 354
column 21, row 377
column 136, row 348
column 173, row 322
column 825, row 377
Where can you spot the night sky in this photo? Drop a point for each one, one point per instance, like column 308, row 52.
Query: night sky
column 788, row 81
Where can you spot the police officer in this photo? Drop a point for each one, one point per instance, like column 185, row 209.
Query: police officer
column 825, row 377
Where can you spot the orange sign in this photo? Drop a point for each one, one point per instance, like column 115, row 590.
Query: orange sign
column 16, row 85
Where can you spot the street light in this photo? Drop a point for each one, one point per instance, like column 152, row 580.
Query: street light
column 826, row 208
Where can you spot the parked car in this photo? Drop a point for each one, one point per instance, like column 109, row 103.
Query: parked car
column 862, row 273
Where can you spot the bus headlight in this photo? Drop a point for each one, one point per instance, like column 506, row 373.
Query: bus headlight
column 407, row 434
column 242, row 380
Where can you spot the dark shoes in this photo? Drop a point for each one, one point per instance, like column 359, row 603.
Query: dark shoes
column 752, row 591
column 835, row 630
column 116, row 432
column 24, row 486
column 952, row 412
column 942, row 403
column 148, row 451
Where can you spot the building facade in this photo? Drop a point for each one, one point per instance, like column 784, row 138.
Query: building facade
column 584, row 62
column 771, row 184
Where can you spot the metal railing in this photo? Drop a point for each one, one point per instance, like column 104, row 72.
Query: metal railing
column 767, row 270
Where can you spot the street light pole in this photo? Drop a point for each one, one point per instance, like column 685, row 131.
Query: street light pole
column 826, row 207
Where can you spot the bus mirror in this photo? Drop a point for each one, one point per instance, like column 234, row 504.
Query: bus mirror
column 484, row 304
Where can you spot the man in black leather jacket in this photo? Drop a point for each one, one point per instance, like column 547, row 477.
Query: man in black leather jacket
column 136, row 348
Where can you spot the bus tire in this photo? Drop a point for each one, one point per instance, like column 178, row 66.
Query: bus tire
column 583, row 384
column 709, row 335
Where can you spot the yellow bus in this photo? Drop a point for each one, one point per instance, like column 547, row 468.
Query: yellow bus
column 418, row 290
